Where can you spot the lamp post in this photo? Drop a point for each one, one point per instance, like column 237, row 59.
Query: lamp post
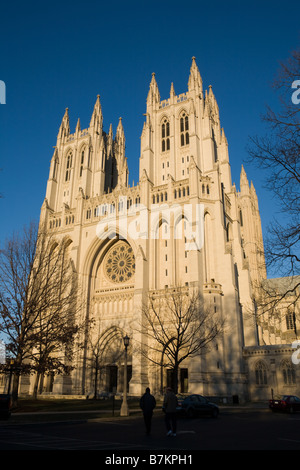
column 124, row 407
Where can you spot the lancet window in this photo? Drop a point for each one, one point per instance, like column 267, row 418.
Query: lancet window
column 184, row 130
column 81, row 163
column 165, row 135
column 68, row 167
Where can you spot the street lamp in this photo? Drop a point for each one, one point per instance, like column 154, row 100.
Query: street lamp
column 124, row 407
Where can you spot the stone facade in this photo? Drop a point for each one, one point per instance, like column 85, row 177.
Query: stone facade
column 124, row 240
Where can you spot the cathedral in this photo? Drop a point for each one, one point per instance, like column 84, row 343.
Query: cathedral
column 184, row 225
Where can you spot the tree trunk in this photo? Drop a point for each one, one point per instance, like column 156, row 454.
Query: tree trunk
column 96, row 380
column 35, row 388
column 41, row 384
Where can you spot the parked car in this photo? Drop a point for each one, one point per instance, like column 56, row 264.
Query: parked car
column 105, row 395
column 5, row 406
column 287, row 403
column 196, row 405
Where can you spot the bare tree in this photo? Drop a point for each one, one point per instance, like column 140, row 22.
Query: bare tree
column 38, row 302
column 278, row 153
column 53, row 333
column 178, row 326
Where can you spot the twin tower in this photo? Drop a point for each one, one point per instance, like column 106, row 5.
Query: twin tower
column 178, row 132
column 183, row 157
column 183, row 161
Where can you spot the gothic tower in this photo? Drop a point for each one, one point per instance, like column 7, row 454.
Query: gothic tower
column 251, row 232
column 179, row 226
column 88, row 161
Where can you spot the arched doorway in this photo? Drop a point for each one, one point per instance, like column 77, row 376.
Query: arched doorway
column 110, row 309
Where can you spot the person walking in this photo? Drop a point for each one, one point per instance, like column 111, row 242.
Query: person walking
column 147, row 403
column 169, row 406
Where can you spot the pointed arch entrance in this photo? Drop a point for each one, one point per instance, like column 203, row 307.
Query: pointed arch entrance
column 111, row 281
column 111, row 361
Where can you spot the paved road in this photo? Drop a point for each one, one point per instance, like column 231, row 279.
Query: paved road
column 240, row 430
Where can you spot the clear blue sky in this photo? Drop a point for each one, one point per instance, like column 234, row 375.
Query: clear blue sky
column 62, row 54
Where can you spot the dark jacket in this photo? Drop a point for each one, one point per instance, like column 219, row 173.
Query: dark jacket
column 147, row 403
column 170, row 402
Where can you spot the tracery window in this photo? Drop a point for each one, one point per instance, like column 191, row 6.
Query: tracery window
column 68, row 167
column 288, row 371
column 165, row 135
column 184, row 130
column 261, row 373
column 120, row 263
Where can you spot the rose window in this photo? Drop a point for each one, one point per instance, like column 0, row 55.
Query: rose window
column 120, row 263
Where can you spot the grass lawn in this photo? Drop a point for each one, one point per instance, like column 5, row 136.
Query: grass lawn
column 67, row 405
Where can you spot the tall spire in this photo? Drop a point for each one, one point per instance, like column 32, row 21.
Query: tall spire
column 110, row 132
column 244, row 183
column 153, row 95
column 122, row 169
column 172, row 91
column 223, row 137
column 253, row 194
column 195, row 80
column 97, row 118
column 213, row 107
column 120, row 135
column 65, row 124
column 78, row 127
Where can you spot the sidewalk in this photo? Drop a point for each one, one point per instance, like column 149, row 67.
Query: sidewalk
column 88, row 415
